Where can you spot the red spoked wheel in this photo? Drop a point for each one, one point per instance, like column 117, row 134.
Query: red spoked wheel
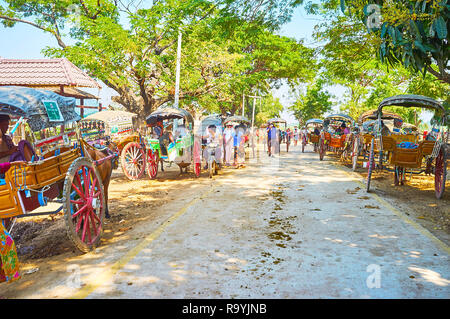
column 355, row 153
column 371, row 165
column 440, row 173
column 133, row 161
column 152, row 164
column 83, row 204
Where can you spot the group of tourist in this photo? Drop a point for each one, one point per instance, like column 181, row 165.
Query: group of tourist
column 229, row 144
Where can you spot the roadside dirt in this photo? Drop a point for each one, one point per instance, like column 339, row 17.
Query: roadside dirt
column 416, row 198
column 42, row 241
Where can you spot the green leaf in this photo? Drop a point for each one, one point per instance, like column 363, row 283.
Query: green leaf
column 440, row 28
column 343, row 6
column 383, row 30
column 415, row 29
column 424, row 6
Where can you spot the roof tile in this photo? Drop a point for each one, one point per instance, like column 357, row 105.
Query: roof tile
column 43, row 72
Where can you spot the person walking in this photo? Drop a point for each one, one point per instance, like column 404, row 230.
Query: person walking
column 237, row 137
column 228, row 142
column 295, row 135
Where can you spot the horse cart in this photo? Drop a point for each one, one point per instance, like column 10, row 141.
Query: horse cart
column 331, row 139
column 402, row 157
column 111, row 132
column 241, row 127
column 281, row 123
column 212, row 143
column 311, row 137
column 64, row 174
column 172, row 141
column 364, row 133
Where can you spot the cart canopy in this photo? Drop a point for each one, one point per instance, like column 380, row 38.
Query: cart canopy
column 41, row 108
column 373, row 115
column 313, row 121
column 168, row 113
column 409, row 100
column 340, row 117
column 276, row 120
column 211, row 120
column 111, row 117
column 236, row 118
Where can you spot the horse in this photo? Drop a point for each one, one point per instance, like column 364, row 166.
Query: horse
column 105, row 168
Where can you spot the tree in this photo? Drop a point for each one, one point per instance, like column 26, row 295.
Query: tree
column 412, row 33
column 349, row 59
column 314, row 103
column 228, row 47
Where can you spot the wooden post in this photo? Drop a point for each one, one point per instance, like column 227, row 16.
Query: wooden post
column 82, row 108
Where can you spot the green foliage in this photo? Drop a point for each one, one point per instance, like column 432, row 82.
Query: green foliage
column 313, row 103
column 349, row 59
column 412, row 33
column 228, row 48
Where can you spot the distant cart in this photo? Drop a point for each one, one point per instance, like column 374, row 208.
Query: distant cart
column 311, row 137
column 428, row 156
column 281, row 122
column 111, row 129
column 177, row 144
column 329, row 141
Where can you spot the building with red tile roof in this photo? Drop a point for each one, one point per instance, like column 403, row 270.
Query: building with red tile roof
column 58, row 75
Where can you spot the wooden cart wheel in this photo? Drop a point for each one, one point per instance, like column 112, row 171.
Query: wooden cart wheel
column 83, row 204
column 440, row 173
column 355, row 153
column 133, row 161
column 371, row 164
column 152, row 164
column 321, row 149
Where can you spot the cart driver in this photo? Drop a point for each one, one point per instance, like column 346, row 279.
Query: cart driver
column 316, row 130
column 8, row 151
column 212, row 136
column 398, row 123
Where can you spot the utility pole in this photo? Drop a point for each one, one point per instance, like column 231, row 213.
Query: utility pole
column 243, row 102
column 177, row 81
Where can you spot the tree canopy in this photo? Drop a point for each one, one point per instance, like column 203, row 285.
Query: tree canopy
column 228, row 47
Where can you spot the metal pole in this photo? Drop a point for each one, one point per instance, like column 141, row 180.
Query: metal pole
column 243, row 102
column 253, row 130
column 177, row 83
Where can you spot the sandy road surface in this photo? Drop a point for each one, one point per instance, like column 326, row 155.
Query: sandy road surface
column 288, row 227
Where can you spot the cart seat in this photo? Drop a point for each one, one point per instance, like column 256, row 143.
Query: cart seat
column 427, row 147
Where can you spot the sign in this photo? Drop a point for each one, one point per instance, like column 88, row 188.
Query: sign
column 53, row 111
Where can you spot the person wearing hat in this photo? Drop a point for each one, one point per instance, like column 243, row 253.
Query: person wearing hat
column 7, row 147
column 10, row 152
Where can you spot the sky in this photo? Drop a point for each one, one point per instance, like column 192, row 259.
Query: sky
column 27, row 42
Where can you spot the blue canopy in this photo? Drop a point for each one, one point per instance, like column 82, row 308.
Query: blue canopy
column 314, row 121
column 31, row 104
column 340, row 117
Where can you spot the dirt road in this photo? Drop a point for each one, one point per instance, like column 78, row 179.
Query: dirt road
column 284, row 227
